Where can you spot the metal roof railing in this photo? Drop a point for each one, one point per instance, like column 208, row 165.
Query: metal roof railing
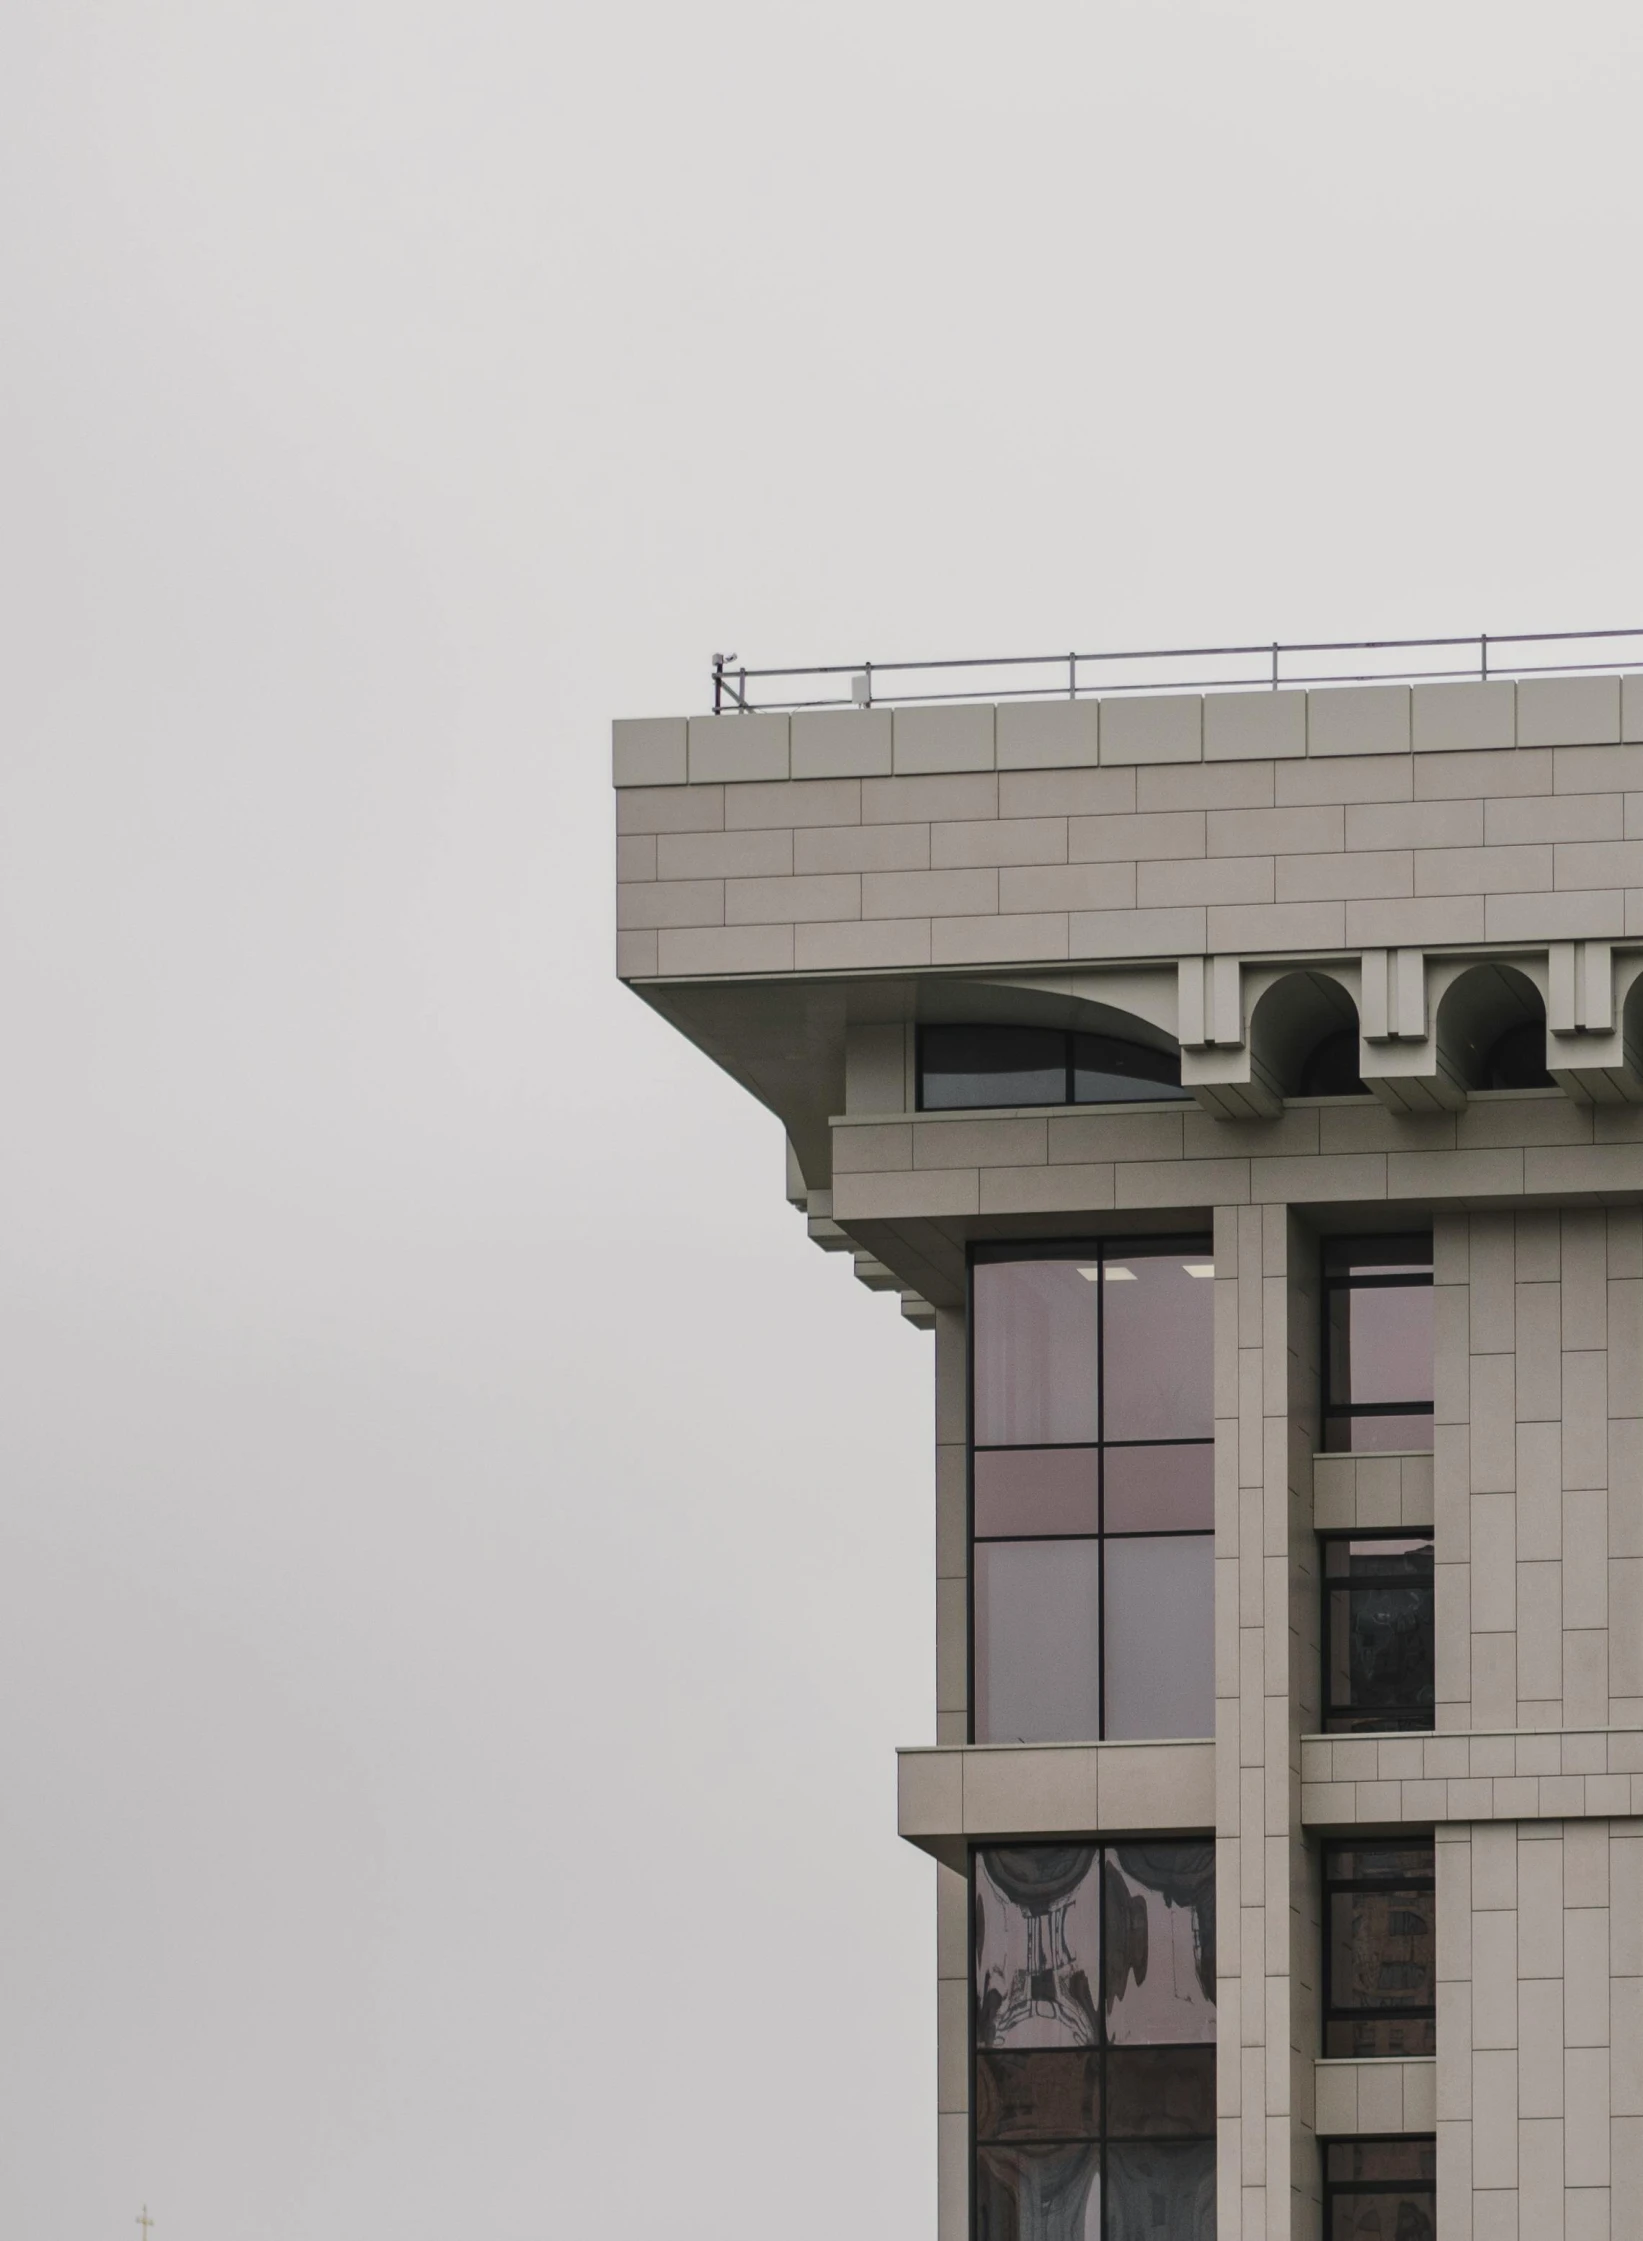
column 738, row 687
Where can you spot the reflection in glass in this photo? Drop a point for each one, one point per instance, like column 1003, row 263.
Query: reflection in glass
column 1159, row 1920
column 1049, row 2093
column 1378, row 1634
column 1094, row 2017
column 1057, row 1343
column 1412, row 2162
column 1161, row 2092
column 1380, row 1341
column 1380, row 1945
column 1027, row 1490
column 1380, row 2190
column 1159, row 1343
column 1004, row 1065
column 1039, row 2194
column 1161, row 2191
column 1037, row 1641
column 1160, row 1489
column 1109, row 1072
column 1160, row 1636
column 965, row 1066
column 1035, row 1352
column 1037, row 1945
column 1379, row 1976
column 1379, row 1435
column 1378, row 1308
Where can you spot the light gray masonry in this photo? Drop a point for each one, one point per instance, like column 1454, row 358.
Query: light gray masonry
column 1227, row 873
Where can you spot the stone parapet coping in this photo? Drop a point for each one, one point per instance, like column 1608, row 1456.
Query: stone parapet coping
column 1118, row 732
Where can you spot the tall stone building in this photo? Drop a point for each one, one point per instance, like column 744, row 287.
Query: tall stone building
column 1246, row 1089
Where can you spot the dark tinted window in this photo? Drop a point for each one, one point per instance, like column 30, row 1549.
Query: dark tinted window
column 1380, row 1989
column 1094, row 2035
column 1380, row 2190
column 960, row 1067
column 1107, row 1071
column 1378, row 1344
column 1377, row 1633
column 1092, row 1564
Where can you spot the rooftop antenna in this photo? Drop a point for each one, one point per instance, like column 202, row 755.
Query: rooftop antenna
column 145, row 2221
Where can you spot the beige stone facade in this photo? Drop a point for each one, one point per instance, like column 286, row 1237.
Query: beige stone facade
column 1232, row 874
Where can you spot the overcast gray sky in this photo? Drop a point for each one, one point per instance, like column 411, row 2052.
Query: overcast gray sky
column 467, row 1561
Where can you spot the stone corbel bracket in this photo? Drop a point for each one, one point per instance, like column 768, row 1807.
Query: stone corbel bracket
column 1245, row 1030
column 1400, row 1057
column 1592, row 1046
column 1218, row 1059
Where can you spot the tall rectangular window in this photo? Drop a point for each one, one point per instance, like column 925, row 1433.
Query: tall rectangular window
column 1378, row 1643
column 1381, row 2190
column 1092, row 1506
column 1093, row 2036
column 1380, row 1982
column 1377, row 1344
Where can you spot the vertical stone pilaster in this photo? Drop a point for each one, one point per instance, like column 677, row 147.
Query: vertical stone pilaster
column 1539, row 1469
column 1266, row 1657
column 1303, row 1386
column 1540, row 2029
column 1625, row 1495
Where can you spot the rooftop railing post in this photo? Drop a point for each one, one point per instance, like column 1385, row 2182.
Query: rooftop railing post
column 1419, row 658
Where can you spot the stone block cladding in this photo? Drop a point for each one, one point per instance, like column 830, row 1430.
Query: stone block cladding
column 792, row 890
column 1128, row 828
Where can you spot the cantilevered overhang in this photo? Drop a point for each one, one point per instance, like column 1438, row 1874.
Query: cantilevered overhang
column 955, row 1796
column 1229, row 875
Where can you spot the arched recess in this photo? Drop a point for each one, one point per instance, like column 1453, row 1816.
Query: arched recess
column 1491, row 1029
column 1304, row 1033
column 1135, row 1001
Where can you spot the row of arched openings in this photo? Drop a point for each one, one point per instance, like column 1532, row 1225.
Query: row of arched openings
column 1491, row 1025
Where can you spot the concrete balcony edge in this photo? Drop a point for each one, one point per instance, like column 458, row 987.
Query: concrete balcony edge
column 952, row 1796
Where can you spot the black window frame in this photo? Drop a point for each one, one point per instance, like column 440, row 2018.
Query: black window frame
column 1171, row 1093
column 1100, row 2139
column 1411, row 1719
column 1425, row 2011
column 1336, row 2189
column 1334, row 1413
column 1199, row 1243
